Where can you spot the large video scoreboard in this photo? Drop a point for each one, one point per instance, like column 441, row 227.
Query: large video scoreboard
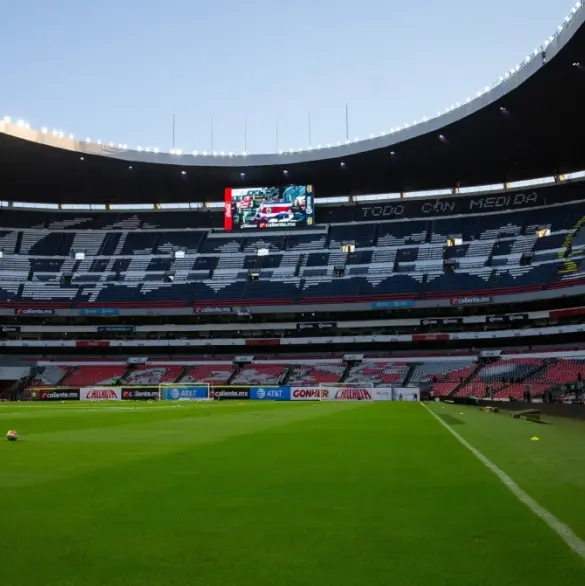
column 269, row 207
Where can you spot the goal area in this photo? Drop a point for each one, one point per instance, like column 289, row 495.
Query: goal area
column 184, row 392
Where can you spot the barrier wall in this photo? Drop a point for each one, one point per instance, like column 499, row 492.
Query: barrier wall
column 223, row 393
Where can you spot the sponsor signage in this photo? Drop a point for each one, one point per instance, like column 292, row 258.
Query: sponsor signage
column 116, row 329
column 441, row 321
column 430, row 337
column 507, row 319
column 309, row 394
column 316, row 327
column 348, row 394
column 100, row 394
column 403, row 304
column 10, row 329
column 243, row 359
column 449, row 206
column 270, row 393
column 471, row 300
column 382, row 394
column 33, row 311
column 213, row 310
column 229, row 393
column 92, row 343
column 193, row 393
column 59, row 396
column 99, row 311
column 140, row 394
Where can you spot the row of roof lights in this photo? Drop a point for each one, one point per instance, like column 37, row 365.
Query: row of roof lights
column 178, row 152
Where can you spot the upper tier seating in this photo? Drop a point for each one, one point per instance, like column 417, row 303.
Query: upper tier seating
column 378, row 373
column 259, row 374
column 217, row 374
column 131, row 258
column 317, row 374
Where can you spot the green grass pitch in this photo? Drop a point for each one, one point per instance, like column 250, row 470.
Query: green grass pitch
column 291, row 494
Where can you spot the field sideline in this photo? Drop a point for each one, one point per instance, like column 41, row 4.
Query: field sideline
column 260, row 493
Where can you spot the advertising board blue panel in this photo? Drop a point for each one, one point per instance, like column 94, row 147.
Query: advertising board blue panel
column 99, row 311
column 184, row 393
column 402, row 304
column 270, row 393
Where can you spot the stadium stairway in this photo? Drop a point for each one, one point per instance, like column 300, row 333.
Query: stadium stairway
column 18, row 243
column 408, row 377
column 233, row 375
column 467, row 380
column 570, row 266
column 524, row 379
column 286, row 375
column 346, row 372
column 182, row 374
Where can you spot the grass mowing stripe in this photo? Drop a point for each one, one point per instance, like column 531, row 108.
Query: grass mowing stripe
column 562, row 530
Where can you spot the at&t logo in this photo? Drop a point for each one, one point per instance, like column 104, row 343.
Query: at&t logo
column 261, row 393
column 175, row 393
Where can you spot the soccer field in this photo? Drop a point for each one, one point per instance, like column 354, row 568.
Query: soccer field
column 284, row 494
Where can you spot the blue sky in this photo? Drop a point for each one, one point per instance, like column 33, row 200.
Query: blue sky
column 118, row 70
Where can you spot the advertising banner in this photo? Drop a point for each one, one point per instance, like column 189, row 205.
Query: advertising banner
column 382, row 394
column 10, row 329
column 99, row 311
column 92, row 343
column 471, row 300
column 58, row 395
column 229, row 393
column 347, row 394
column 308, row 394
column 213, row 310
column 403, row 304
column 184, row 393
column 507, row 319
column 270, row 393
column 100, row 394
column 130, row 394
column 33, row 311
column 407, row 394
column 430, row 337
column 441, row 321
column 116, row 329
column 316, row 327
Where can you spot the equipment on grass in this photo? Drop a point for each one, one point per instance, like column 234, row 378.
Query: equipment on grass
column 12, row 435
column 184, row 392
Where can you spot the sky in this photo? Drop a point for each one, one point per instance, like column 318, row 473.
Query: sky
column 119, row 70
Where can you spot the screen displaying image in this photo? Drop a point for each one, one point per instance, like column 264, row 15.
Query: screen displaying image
column 269, row 207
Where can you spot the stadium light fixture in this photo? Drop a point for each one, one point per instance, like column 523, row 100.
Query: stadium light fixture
column 44, row 130
column 204, row 153
column 242, row 174
column 183, row 172
column 7, row 119
column 156, row 151
column 71, row 137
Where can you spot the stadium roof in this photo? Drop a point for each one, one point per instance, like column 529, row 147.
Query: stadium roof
column 528, row 125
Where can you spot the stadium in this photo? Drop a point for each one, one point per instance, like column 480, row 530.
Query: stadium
column 354, row 363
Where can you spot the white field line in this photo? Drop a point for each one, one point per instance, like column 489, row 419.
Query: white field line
column 563, row 531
